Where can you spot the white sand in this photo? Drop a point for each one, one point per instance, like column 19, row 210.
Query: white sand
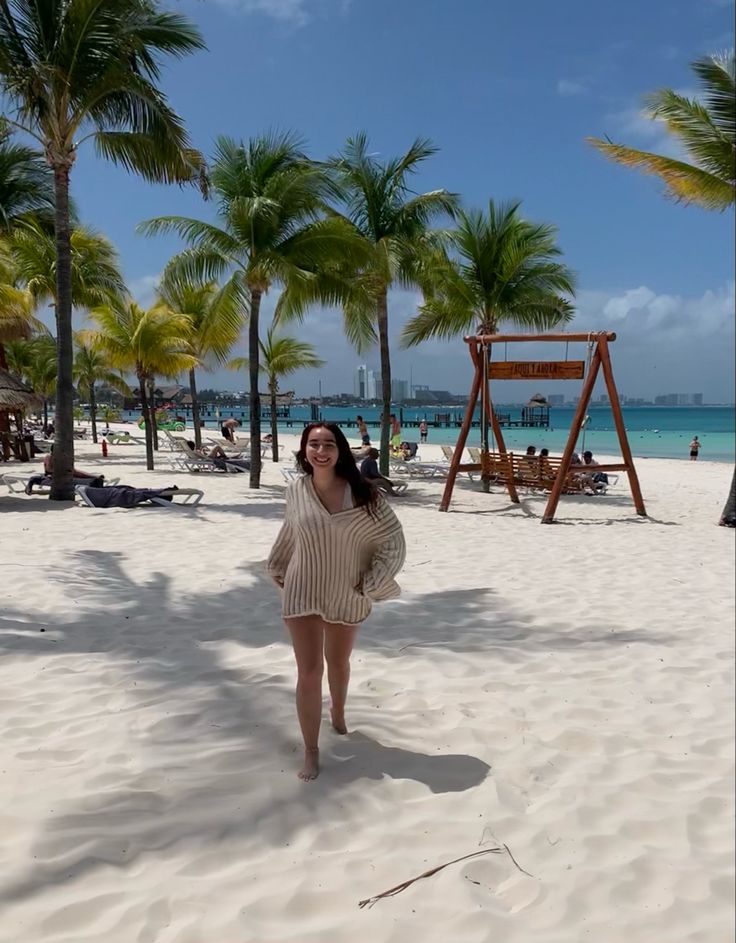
column 565, row 690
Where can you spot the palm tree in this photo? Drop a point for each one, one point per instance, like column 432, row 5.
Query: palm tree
column 95, row 277
column 500, row 268
column 706, row 130
column 92, row 366
column 26, row 190
column 394, row 225
column 148, row 342
column 26, row 184
column 77, row 70
column 270, row 204
column 280, row 357
column 216, row 322
column 35, row 361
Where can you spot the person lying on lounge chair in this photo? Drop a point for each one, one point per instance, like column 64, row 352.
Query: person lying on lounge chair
column 80, row 477
column 220, row 458
column 370, row 471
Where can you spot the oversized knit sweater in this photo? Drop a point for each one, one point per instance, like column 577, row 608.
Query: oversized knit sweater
column 320, row 558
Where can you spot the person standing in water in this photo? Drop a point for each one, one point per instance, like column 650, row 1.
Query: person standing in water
column 338, row 551
column 694, row 449
column 423, row 430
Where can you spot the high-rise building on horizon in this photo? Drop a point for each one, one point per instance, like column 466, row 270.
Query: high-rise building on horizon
column 364, row 386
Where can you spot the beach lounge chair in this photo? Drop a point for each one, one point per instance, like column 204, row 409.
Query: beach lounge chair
column 449, row 453
column 124, row 438
column 126, row 496
column 412, row 469
column 19, row 483
column 185, row 458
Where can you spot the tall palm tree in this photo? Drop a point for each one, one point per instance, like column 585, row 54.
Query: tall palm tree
column 393, row 222
column 280, row 357
column 706, row 130
column 149, row 342
column 499, row 268
column 92, row 366
column 270, row 202
column 216, row 321
column 76, row 70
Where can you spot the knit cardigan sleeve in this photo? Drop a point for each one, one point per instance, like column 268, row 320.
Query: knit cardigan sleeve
column 283, row 549
column 388, row 558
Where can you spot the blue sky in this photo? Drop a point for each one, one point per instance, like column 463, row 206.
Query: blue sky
column 508, row 91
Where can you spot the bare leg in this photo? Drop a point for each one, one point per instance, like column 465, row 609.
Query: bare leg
column 339, row 640
column 307, row 636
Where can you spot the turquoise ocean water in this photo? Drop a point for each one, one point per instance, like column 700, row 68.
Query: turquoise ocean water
column 653, row 431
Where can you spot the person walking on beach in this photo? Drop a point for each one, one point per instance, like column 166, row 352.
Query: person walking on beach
column 365, row 439
column 395, row 431
column 423, row 430
column 694, row 449
column 338, row 551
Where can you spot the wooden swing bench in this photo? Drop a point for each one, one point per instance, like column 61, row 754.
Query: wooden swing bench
column 533, row 473
column 556, row 476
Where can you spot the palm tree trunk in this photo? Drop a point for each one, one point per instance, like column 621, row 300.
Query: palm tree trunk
column 382, row 316
column 274, row 423
column 152, row 410
column 146, row 422
column 728, row 517
column 195, row 408
column 255, row 396
column 62, row 485
column 93, row 411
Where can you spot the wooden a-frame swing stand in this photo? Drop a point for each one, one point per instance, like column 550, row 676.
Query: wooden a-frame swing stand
column 480, row 347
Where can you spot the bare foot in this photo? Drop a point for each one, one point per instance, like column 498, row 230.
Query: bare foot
column 338, row 721
column 310, row 770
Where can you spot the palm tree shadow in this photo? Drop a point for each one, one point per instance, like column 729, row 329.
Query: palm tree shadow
column 213, row 719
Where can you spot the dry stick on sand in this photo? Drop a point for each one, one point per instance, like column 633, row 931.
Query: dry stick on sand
column 393, row 891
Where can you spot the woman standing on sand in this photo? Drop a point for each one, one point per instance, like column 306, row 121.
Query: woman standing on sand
column 338, row 551
column 694, row 449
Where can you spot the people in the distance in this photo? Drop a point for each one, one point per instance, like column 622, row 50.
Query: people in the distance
column 596, row 480
column 338, row 551
column 369, row 469
column 220, row 459
column 423, row 430
column 694, row 449
column 365, row 439
column 228, row 427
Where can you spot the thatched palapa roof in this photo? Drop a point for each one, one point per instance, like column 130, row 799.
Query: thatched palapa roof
column 15, row 394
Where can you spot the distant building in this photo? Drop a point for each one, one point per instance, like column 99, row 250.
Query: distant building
column 399, row 390
column 697, row 399
column 556, row 399
column 364, row 386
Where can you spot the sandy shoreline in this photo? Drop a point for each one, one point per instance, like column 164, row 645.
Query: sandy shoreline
column 565, row 690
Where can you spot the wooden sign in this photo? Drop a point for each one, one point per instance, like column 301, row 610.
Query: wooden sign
column 537, row 370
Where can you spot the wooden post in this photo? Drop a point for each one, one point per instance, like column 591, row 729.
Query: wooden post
column 513, row 494
column 618, row 420
column 577, row 425
column 457, row 455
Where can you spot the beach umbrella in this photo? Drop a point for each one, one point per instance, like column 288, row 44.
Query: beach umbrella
column 15, row 395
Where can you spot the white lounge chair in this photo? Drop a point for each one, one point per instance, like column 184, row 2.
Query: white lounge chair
column 18, row 483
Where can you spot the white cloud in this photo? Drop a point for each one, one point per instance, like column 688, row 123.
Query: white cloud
column 143, row 289
column 292, row 12
column 568, row 88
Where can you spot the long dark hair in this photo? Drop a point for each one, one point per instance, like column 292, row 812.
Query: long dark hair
column 364, row 494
